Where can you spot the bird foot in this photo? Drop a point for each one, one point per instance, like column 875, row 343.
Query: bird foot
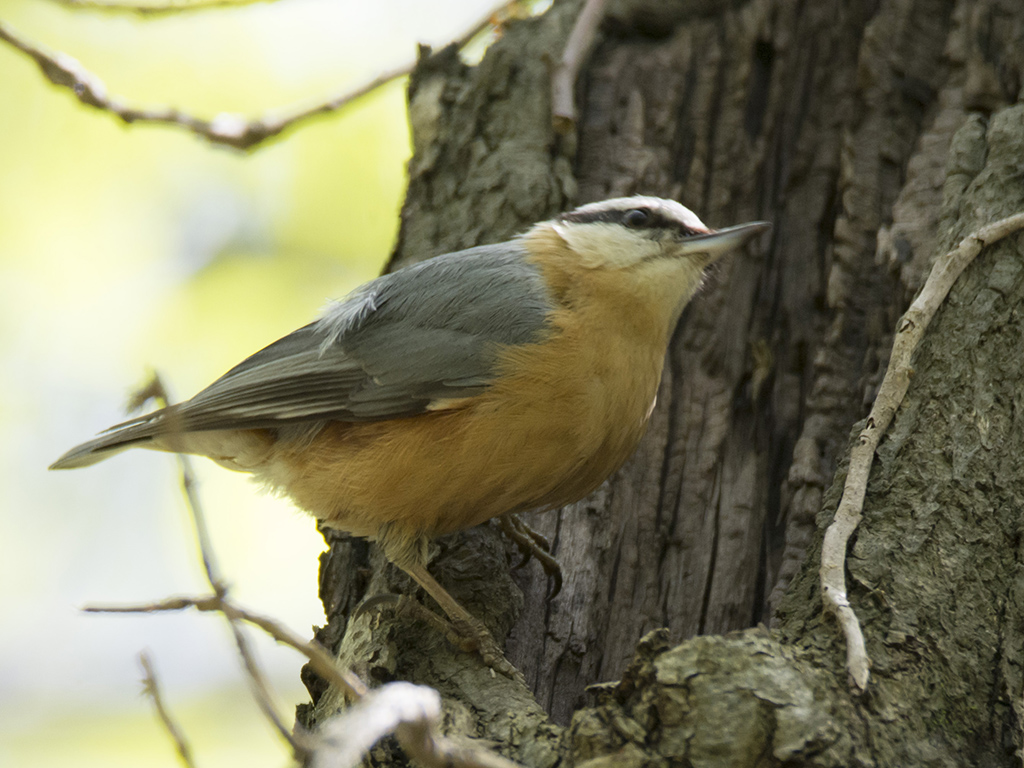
column 471, row 635
column 533, row 544
column 468, row 634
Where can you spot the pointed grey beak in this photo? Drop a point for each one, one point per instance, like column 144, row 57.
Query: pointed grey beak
column 721, row 241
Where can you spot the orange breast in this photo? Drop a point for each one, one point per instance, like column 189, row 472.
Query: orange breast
column 565, row 414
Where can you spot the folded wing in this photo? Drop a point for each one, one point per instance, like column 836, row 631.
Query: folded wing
column 396, row 347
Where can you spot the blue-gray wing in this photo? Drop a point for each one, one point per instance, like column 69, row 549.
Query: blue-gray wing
column 393, row 348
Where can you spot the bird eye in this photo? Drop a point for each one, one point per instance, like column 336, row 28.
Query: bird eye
column 636, row 218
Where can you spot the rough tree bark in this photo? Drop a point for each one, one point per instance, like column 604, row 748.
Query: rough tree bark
column 874, row 135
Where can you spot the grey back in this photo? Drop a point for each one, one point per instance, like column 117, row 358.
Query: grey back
column 391, row 348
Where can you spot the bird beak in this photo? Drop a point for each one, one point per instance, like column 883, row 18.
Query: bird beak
column 721, row 241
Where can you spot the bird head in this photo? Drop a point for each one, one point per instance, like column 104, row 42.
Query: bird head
column 656, row 250
column 634, row 233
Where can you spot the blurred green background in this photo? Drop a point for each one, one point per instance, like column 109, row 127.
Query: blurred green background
column 125, row 247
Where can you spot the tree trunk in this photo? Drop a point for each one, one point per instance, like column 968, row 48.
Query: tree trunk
column 874, row 135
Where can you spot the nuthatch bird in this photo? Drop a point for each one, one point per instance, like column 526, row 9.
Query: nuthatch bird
column 497, row 379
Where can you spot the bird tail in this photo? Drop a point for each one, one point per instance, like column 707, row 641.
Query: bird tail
column 130, row 434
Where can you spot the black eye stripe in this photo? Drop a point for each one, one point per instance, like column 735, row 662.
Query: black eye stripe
column 655, row 220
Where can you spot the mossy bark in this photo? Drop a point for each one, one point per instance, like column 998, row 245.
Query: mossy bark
column 874, row 135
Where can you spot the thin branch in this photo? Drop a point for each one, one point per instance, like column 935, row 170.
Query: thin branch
column 224, row 129
column 207, row 603
column 321, row 661
column 155, row 389
column 409, row 711
column 189, row 488
column 563, row 78
column 261, row 690
column 909, row 332
column 152, row 689
column 165, row 8
column 493, row 18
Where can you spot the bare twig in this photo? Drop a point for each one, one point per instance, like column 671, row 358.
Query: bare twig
column 498, row 15
column 322, row 662
column 154, row 389
column 152, row 689
column 224, row 129
column 207, row 603
column 188, row 487
column 409, row 711
column 261, row 690
column 563, row 77
column 909, row 332
column 164, row 8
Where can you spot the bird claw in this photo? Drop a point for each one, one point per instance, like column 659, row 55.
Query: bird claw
column 533, row 544
column 474, row 636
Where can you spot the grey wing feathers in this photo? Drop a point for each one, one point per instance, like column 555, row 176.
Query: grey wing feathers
column 394, row 346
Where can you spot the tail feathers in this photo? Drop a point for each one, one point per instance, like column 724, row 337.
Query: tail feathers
column 134, row 433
